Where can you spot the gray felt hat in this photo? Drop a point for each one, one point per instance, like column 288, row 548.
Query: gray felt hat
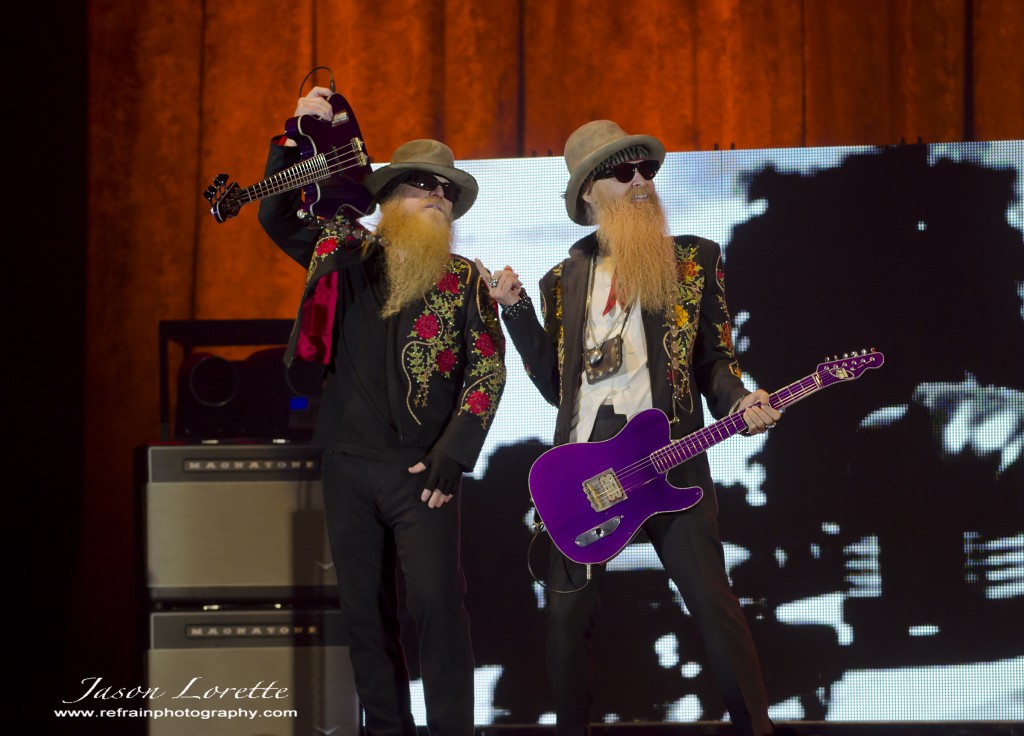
column 424, row 155
column 590, row 146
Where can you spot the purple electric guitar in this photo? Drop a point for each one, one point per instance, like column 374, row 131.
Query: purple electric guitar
column 594, row 496
column 333, row 166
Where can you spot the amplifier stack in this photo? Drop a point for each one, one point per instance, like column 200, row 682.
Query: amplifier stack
column 242, row 593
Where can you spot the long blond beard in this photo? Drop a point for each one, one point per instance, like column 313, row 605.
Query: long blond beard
column 417, row 250
column 635, row 235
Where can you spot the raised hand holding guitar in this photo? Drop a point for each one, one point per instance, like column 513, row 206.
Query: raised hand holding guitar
column 315, row 103
column 330, row 174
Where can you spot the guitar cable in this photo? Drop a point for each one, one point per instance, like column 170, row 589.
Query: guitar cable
column 311, row 72
column 538, row 527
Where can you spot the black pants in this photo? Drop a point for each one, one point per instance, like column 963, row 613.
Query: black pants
column 689, row 548
column 376, row 521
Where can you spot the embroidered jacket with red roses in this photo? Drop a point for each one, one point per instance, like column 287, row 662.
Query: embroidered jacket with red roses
column 443, row 360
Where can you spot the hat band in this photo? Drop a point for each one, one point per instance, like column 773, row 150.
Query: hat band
column 632, row 153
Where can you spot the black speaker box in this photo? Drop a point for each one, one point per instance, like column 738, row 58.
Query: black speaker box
column 224, row 523
column 250, row 673
column 259, row 398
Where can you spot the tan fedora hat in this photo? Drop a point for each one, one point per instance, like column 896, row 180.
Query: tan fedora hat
column 427, row 155
column 591, row 145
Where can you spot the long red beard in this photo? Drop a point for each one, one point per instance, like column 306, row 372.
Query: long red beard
column 635, row 235
column 417, row 250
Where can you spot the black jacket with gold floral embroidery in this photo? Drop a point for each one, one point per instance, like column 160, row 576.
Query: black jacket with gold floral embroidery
column 445, row 367
column 688, row 349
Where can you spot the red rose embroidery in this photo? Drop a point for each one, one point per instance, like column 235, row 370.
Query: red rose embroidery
column 485, row 345
column 478, row 402
column 450, row 283
column 725, row 335
column 687, row 270
column 327, row 245
column 426, row 326
column 445, row 361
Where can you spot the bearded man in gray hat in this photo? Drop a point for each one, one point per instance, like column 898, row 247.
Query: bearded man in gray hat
column 635, row 319
column 413, row 359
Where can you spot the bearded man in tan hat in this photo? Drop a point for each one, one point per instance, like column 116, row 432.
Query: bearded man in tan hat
column 413, row 356
column 635, row 319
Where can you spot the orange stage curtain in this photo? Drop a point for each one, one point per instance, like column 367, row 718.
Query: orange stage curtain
column 182, row 91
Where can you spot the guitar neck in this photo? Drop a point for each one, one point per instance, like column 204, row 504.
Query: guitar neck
column 694, row 444
column 305, row 172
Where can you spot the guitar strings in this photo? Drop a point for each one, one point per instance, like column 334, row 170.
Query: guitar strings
column 310, row 170
column 704, row 438
column 698, row 441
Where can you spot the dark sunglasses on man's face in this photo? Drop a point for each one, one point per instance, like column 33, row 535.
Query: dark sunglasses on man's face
column 429, row 182
column 626, row 171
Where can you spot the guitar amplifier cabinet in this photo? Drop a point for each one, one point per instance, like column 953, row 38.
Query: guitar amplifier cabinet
column 250, row 673
column 224, row 523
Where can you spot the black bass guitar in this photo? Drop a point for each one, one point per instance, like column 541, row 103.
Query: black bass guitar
column 333, row 165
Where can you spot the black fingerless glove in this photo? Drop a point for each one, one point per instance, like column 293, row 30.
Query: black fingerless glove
column 443, row 473
column 518, row 309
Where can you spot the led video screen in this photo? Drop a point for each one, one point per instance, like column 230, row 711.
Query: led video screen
column 876, row 539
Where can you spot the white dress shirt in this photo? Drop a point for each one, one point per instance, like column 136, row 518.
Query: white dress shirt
column 628, row 391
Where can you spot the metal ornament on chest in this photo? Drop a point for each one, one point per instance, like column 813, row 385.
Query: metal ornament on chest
column 604, row 358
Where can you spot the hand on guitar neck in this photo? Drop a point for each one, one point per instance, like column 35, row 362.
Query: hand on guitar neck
column 759, row 414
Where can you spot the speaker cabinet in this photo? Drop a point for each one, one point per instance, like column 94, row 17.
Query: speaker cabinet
column 208, row 393
column 233, row 522
column 250, row 673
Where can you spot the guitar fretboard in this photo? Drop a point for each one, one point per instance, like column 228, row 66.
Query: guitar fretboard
column 693, row 444
column 305, row 172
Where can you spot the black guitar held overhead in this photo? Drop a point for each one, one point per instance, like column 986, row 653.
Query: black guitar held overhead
column 333, row 165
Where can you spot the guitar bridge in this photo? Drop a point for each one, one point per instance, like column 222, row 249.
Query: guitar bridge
column 360, row 150
column 604, row 490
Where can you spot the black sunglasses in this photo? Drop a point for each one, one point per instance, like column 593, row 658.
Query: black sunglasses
column 625, row 172
column 429, row 182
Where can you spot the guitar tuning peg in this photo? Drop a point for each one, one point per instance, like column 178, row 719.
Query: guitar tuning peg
column 863, row 351
column 221, row 180
column 846, row 355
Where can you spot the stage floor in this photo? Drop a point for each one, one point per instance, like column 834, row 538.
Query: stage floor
column 795, row 728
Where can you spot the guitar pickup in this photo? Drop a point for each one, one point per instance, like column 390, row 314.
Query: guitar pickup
column 604, row 490
column 598, row 532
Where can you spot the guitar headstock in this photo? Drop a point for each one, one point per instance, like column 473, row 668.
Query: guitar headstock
column 225, row 199
column 849, row 366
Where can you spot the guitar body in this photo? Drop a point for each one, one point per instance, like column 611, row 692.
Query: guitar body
column 593, row 497
column 332, row 138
